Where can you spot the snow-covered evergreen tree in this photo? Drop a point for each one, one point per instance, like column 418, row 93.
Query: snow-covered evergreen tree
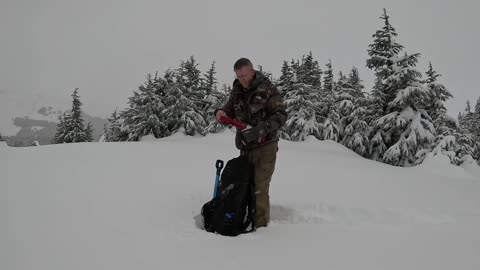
column 309, row 71
column 437, row 95
column 286, row 80
column 217, row 100
column 61, row 128
column 214, row 99
column 451, row 140
column 145, row 113
column 330, row 129
column 470, row 121
column 376, row 102
column 113, row 132
column 354, row 80
column 186, row 100
column 76, row 131
column 384, row 50
column 210, row 80
column 328, row 78
column 299, row 85
column 183, row 111
column 468, row 109
column 296, row 70
column 351, row 105
column 189, row 77
column 405, row 128
column 301, row 102
column 408, row 124
column 326, row 112
column 71, row 128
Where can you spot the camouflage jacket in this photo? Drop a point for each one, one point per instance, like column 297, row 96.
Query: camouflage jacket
column 260, row 102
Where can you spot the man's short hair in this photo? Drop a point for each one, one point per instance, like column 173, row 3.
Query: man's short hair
column 242, row 62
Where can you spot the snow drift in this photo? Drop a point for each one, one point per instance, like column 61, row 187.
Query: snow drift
column 136, row 205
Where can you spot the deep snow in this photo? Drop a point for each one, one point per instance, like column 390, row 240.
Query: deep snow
column 135, row 205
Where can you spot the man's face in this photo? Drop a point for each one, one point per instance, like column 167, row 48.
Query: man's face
column 245, row 75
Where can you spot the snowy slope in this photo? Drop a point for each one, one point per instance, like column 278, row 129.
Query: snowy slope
column 135, row 205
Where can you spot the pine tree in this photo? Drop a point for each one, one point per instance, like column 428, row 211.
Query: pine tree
column 450, row 140
column 405, row 127
column 145, row 113
column 437, row 95
column 71, row 128
column 413, row 129
column 186, row 100
column 384, row 49
column 456, row 143
column 328, row 79
column 75, row 127
column 468, row 109
column 354, row 80
column 210, row 80
column 61, row 128
column 470, row 121
column 326, row 112
column 217, row 100
column 351, row 107
column 189, row 77
column 295, row 65
column 286, row 80
column 182, row 113
column 184, row 109
column 214, row 100
column 301, row 101
column 309, row 71
column 114, row 132
column 377, row 102
column 1, row 138
column 382, row 52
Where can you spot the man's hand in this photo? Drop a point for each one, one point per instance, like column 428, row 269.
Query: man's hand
column 254, row 134
column 219, row 114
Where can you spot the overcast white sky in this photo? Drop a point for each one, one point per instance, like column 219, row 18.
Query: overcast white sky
column 106, row 48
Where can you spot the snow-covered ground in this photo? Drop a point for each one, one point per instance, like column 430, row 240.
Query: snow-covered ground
column 136, row 205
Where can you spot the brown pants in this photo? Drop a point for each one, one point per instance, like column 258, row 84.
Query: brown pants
column 263, row 160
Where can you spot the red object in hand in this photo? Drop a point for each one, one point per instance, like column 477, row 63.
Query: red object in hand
column 234, row 122
column 239, row 125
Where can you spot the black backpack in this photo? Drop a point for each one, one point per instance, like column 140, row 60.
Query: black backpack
column 232, row 211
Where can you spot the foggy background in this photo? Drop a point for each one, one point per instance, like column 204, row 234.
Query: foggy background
column 106, row 48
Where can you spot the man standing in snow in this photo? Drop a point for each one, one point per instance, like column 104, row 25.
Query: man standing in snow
column 255, row 101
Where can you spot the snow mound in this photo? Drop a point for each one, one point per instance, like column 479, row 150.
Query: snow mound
column 148, row 138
